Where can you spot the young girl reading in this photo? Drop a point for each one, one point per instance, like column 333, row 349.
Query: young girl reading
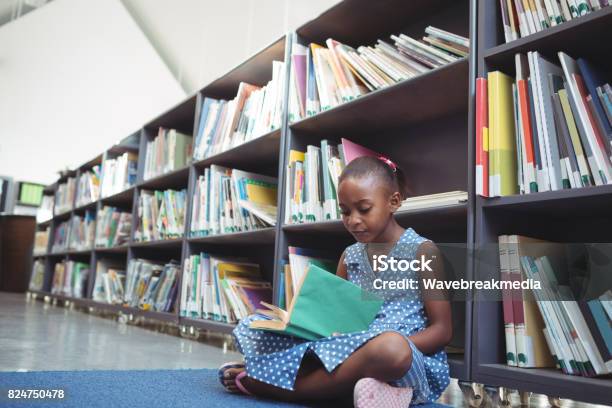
column 399, row 360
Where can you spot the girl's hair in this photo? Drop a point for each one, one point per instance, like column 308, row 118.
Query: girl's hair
column 381, row 168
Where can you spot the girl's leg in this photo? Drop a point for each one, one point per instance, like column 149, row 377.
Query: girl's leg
column 386, row 357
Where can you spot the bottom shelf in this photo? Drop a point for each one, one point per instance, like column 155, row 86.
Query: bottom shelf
column 546, row 381
column 211, row 325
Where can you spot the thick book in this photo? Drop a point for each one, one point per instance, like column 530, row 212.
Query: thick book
column 323, row 304
column 502, row 145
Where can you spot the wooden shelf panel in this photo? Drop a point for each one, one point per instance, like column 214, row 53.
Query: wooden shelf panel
column 176, row 179
column 123, row 198
column 89, row 206
column 578, row 37
column 256, row 70
column 453, row 217
column 121, row 249
column 162, row 243
column 581, row 202
column 263, row 236
column 179, row 117
column 352, row 22
column 205, row 324
column 258, row 153
column 435, row 94
column 546, row 381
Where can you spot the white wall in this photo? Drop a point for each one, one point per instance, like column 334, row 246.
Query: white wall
column 75, row 76
column 202, row 39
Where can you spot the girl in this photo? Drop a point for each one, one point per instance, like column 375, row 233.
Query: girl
column 400, row 358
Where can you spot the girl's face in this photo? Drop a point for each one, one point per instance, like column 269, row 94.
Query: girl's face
column 367, row 206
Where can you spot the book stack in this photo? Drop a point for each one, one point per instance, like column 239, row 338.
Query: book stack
column 324, row 77
column 45, row 211
column 82, row 231
column 114, row 227
column 109, row 283
column 254, row 112
column 550, row 327
column 88, row 189
column 521, row 18
column 70, row 279
column 221, row 289
column 64, row 196
column 169, row 151
column 161, row 215
column 550, row 128
column 230, row 200
column 119, row 174
column 61, row 237
column 41, row 241
column 37, row 280
column 151, row 286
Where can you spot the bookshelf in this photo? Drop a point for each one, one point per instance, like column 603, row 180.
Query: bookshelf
column 426, row 124
column 567, row 216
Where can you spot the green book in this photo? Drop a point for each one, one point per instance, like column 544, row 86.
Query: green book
column 322, row 305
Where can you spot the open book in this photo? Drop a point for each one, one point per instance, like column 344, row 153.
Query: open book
column 322, row 304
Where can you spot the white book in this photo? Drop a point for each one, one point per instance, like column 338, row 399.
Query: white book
column 543, row 69
column 543, row 175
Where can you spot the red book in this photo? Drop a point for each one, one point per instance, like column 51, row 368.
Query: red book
column 482, row 138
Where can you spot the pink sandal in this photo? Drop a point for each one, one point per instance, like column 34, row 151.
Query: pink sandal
column 371, row 393
column 239, row 385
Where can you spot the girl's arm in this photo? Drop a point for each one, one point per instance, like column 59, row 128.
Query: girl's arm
column 439, row 332
column 341, row 269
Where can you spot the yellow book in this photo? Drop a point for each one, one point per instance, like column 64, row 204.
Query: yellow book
column 502, row 142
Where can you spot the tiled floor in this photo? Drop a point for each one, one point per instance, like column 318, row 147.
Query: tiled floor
column 39, row 336
column 35, row 336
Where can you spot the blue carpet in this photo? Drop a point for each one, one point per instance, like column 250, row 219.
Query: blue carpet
column 133, row 389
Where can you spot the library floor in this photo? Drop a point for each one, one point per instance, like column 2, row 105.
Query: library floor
column 35, row 336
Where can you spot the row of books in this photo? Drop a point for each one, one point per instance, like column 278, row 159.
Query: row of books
column 221, row 289
column 41, row 241
column 254, row 112
column 113, row 227
column 82, row 231
column 64, row 196
column 70, row 279
column 118, row 173
column 88, row 186
column 521, row 18
column 312, row 183
column 146, row 285
column 161, row 215
column 322, row 78
column 75, row 234
column 230, row 200
column 170, row 150
column 37, row 279
column 557, row 325
column 550, row 128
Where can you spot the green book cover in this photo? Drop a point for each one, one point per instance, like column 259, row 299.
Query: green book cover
column 324, row 304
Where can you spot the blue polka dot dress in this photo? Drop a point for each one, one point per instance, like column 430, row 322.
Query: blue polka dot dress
column 275, row 359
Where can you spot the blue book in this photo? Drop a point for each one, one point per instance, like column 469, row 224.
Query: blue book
column 202, row 122
column 592, row 79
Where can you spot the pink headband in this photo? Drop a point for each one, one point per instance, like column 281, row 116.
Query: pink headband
column 389, row 163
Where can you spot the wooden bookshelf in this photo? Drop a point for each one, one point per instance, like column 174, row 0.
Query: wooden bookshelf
column 565, row 216
column 408, row 121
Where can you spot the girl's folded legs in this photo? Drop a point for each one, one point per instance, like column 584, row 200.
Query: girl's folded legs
column 386, row 357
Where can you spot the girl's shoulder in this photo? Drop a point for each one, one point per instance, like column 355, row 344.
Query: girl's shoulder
column 352, row 253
